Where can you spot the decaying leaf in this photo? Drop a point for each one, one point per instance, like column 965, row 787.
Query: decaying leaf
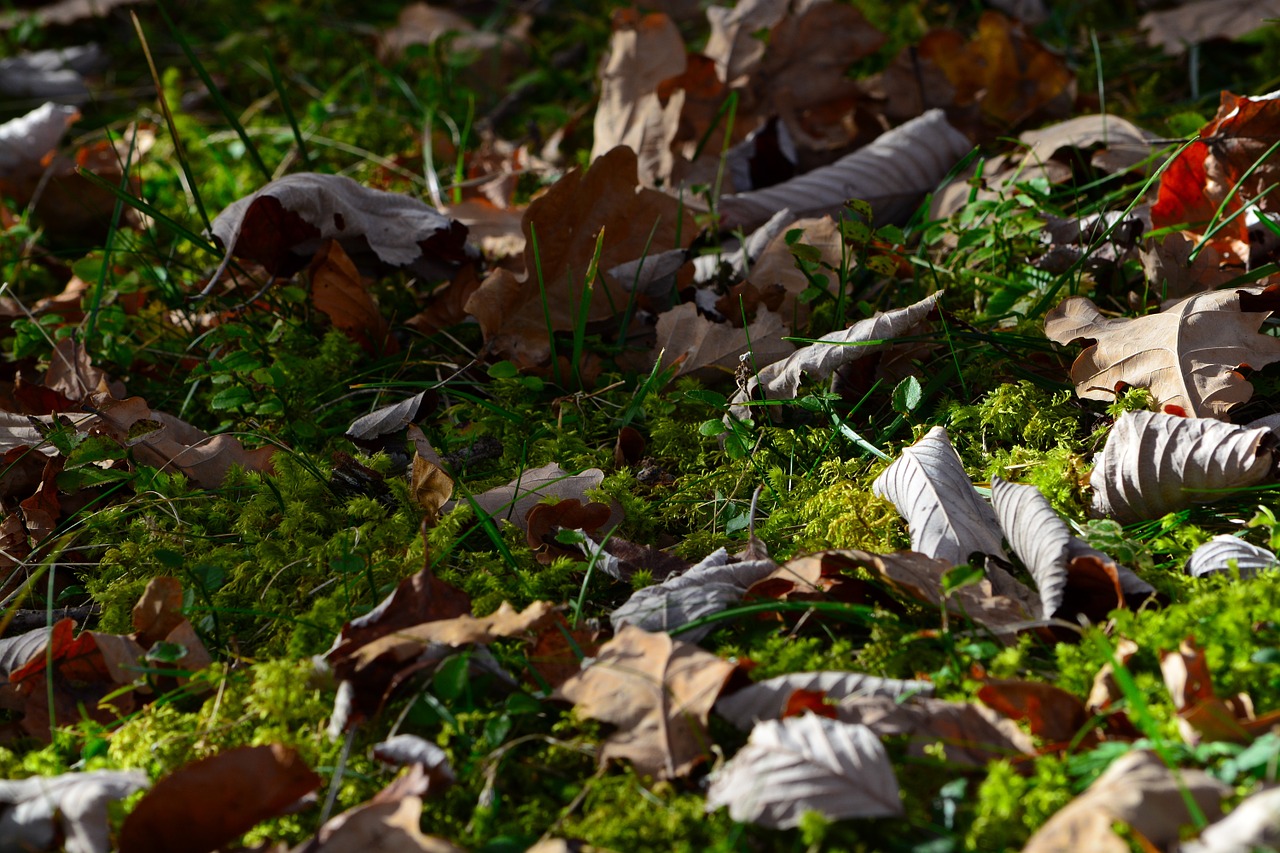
column 67, row 812
column 1202, row 714
column 1139, row 790
column 766, row 700
column 1189, row 355
column 430, row 487
column 657, row 691
column 1252, row 825
column 807, row 763
column 824, row 358
column 512, row 502
column 705, row 349
column 203, row 805
column 708, row 587
column 893, row 173
column 1225, row 553
column 391, row 419
column 966, row 734
column 1172, row 271
column 1155, row 463
column 283, row 224
column 1174, row 30
column 1050, row 712
column 947, row 518
column 339, row 293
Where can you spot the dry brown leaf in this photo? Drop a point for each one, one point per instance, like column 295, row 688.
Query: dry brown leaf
column 203, row 805
column 1188, row 355
column 419, row 598
column 568, row 218
column 1222, row 551
column 283, row 224
column 766, row 700
column 1137, row 789
column 67, row 812
column 1173, row 30
column 1202, row 714
column 700, row 347
column 1051, row 712
column 167, row 443
column 1174, row 274
column 893, row 173
column 824, row 358
column 807, row 763
column 546, row 520
column 512, row 502
column 708, row 587
column 776, row 266
column 1110, row 143
column 1106, row 689
column 969, row 735
column 1155, row 463
column 947, row 518
column 339, row 292
column 430, row 487
column 657, row 691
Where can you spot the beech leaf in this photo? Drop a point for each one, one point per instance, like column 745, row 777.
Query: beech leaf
column 513, row 501
column 283, row 224
column 968, row 734
column 1220, row 552
column 766, row 700
column 1037, row 535
column 1252, row 825
column 1155, row 463
column 892, row 173
column 807, row 763
column 947, row 518
column 1188, row 355
column 821, row 359
column 67, row 812
column 703, row 348
column 658, row 692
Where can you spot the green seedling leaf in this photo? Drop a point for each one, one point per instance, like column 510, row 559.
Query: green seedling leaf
column 712, row 428
column 907, row 396
column 503, row 370
column 231, row 398
column 958, row 577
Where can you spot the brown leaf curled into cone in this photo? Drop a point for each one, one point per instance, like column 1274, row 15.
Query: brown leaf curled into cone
column 806, row 763
column 1188, row 355
column 946, row 516
column 658, row 692
column 1155, row 463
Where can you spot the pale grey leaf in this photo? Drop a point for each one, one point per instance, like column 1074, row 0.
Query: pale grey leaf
column 893, row 173
column 1252, row 825
column 766, row 700
column 387, row 420
column 1037, row 535
column 25, row 140
column 1221, row 551
column 35, row 812
column 16, row 651
column 969, row 734
column 1154, row 463
column 807, row 763
column 947, row 518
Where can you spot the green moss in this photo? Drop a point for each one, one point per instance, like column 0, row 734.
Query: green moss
column 1010, row 806
column 620, row 812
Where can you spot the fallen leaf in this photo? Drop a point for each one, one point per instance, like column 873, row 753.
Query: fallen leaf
column 1155, row 463
column 700, row 347
column 62, row 12
column 1139, row 790
column 807, row 763
column 512, row 502
column 546, row 520
column 776, row 265
column 824, row 358
column 51, row 75
column 67, row 812
column 715, row 583
column 283, row 224
column 968, row 735
column 657, row 691
column 1050, row 712
column 430, row 487
column 621, row 559
column 338, row 292
column 1172, row 272
column 766, row 700
column 205, row 804
column 1227, row 553
column 1254, row 824
column 1189, row 355
column 947, row 518
column 1174, row 30
column 407, row 750
column 1106, row 690
column 1202, row 714
column 893, row 174
column 419, row 598
column 1110, row 143
column 568, row 219
column 387, row 823
column 1037, row 535
column 392, row 419
column 26, row 141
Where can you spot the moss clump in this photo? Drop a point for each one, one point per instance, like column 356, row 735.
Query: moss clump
column 1010, row 806
column 1014, row 413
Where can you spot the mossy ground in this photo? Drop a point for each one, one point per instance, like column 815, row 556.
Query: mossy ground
column 274, row 565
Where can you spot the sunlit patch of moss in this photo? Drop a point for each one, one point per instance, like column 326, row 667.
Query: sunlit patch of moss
column 783, row 652
column 1015, row 414
column 1010, row 806
column 1059, row 473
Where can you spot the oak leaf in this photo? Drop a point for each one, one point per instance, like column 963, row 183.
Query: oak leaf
column 1189, row 355
column 658, row 692
column 807, row 763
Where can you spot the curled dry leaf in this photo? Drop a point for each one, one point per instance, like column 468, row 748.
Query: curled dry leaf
column 1112, row 144
column 512, row 502
column 1155, row 463
column 1188, row 355
column 1202, row 714
column 338, row 292
column 807, row 763
column 968, row 735
column 387, row 823
column 1225, row 553
column 1252, row 825
column 947, row 518
column 699, row 346
column 708, row 587
column 893, row 173
column 825, row 357
column 1037, row 535
column 203, row 805
column 283, row 224
column 67, row 812
column 1174, row 30
column 1137, row 789
column 766, row 700
column 392, row 419
column 430, row 487
column 658, row 692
